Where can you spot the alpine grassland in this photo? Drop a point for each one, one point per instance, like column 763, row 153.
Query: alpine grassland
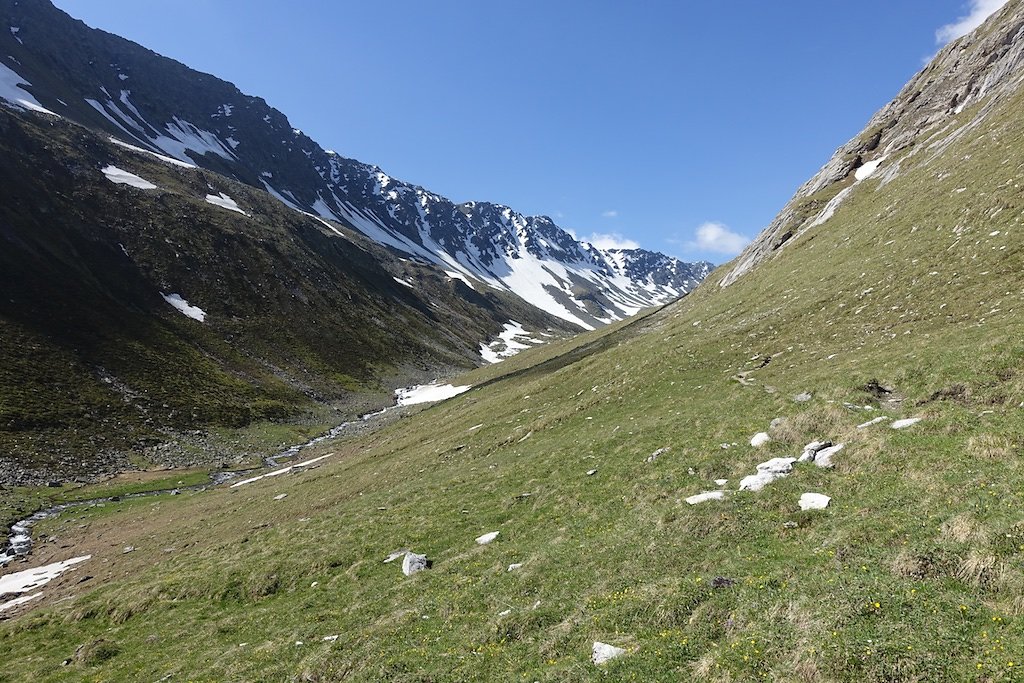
column 906, row 303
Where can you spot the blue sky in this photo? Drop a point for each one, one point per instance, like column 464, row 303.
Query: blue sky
column 678, row 126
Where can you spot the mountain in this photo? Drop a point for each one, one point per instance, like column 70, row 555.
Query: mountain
column 948, row 100
column 152, row 102
column 188, row 280
column 649, row 485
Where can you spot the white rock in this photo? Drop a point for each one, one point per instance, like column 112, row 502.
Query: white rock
column 707, row 495
column 413, row 563
column 760, row 439
column 777, row 465
column 881, row 418
column 602, row 652
column 487, row 538
column 811, row 449
column 803, row 397
column 281, row 496
column 330, row 639
column 814, row 501
column 591, row 473
column 514, row 566
column 900, row 424
column 505, row 613
column 756, row 482
column 721, row 482
column 658, row 453
column 823, row 458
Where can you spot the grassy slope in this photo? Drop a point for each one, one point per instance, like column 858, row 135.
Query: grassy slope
column 913, row 573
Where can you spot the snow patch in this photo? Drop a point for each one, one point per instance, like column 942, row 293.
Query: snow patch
column 508, row 343
column 225, row 202
column 867, row 170
column 24, row 581
column 17, row 96
column 185, row 307
column 121, row 177
column 161, row 157
column 283, row 470
column 427, row 393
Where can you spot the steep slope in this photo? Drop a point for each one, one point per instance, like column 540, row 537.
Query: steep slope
column 146, row 100
column 948, row 100
column 907, row 303
column 285, row 316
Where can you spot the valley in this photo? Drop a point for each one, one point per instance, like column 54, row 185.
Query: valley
column 808, row 468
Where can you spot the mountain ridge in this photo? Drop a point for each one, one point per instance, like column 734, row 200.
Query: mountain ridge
column 105, row 83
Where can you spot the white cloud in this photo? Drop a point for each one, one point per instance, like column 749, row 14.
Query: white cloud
column 611, row 240
column 978, row 11
column 718, row 238
column 610, row 213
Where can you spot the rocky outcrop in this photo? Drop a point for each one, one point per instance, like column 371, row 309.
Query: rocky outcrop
column 943, row 102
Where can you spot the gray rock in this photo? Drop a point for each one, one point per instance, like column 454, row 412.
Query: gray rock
column 823, row 458
column 414, row 563
column 803, row 397
column 658, row 453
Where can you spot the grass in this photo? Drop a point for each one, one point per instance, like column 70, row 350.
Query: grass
column 914, row 572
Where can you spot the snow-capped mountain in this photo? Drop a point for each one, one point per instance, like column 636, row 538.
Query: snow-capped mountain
column 50, row 61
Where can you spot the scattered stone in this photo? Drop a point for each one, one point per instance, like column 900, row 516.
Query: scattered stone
column 281, row 496
column 658, row 453
column 505, row 613
column 487, row 538
column 881, row 418
column 790, row 525
column 591, row 473
column 760, row 439
column 314, row 584
column 514, row 566
column 722, row 582
column 128, row 549
column 721, row 482
column 299, row 643
column 812, row 449
column 814, row 501
column 414, row 563
column 776, row 423
column 602, row 652
column 900, row 424
column 767, row 472
column 803, row 397
column 705, row 496
column 330, row 639
column 725, row 446
column 823, row 458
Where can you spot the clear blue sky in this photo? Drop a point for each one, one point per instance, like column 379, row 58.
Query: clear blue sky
column 645, row 120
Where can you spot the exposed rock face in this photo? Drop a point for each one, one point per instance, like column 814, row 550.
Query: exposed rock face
column 945, row 101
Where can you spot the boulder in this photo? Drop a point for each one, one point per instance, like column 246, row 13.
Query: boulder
column 760, row 439
column 487, row 538
column 814, row 501
column 414, row 563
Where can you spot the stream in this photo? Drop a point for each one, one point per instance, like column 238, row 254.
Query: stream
column 19, row 540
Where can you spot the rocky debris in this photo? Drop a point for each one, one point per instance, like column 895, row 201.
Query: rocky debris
column 329, row 639
column 823, row 458
column 722, row 582
column 487, row 538
column 811, row 450
column 591, row 473
column 760, row 439
column 413, row 563
column 743, row 379
column 814, row 501
column 906, row 422
column 514, row 566
column 767, row 472
column 705, row 496
column 803, row 397
column 865, row 425
column 657, row 454
column 128, row 549
column 281, row 496
column 602, row 652
column 721, row 482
